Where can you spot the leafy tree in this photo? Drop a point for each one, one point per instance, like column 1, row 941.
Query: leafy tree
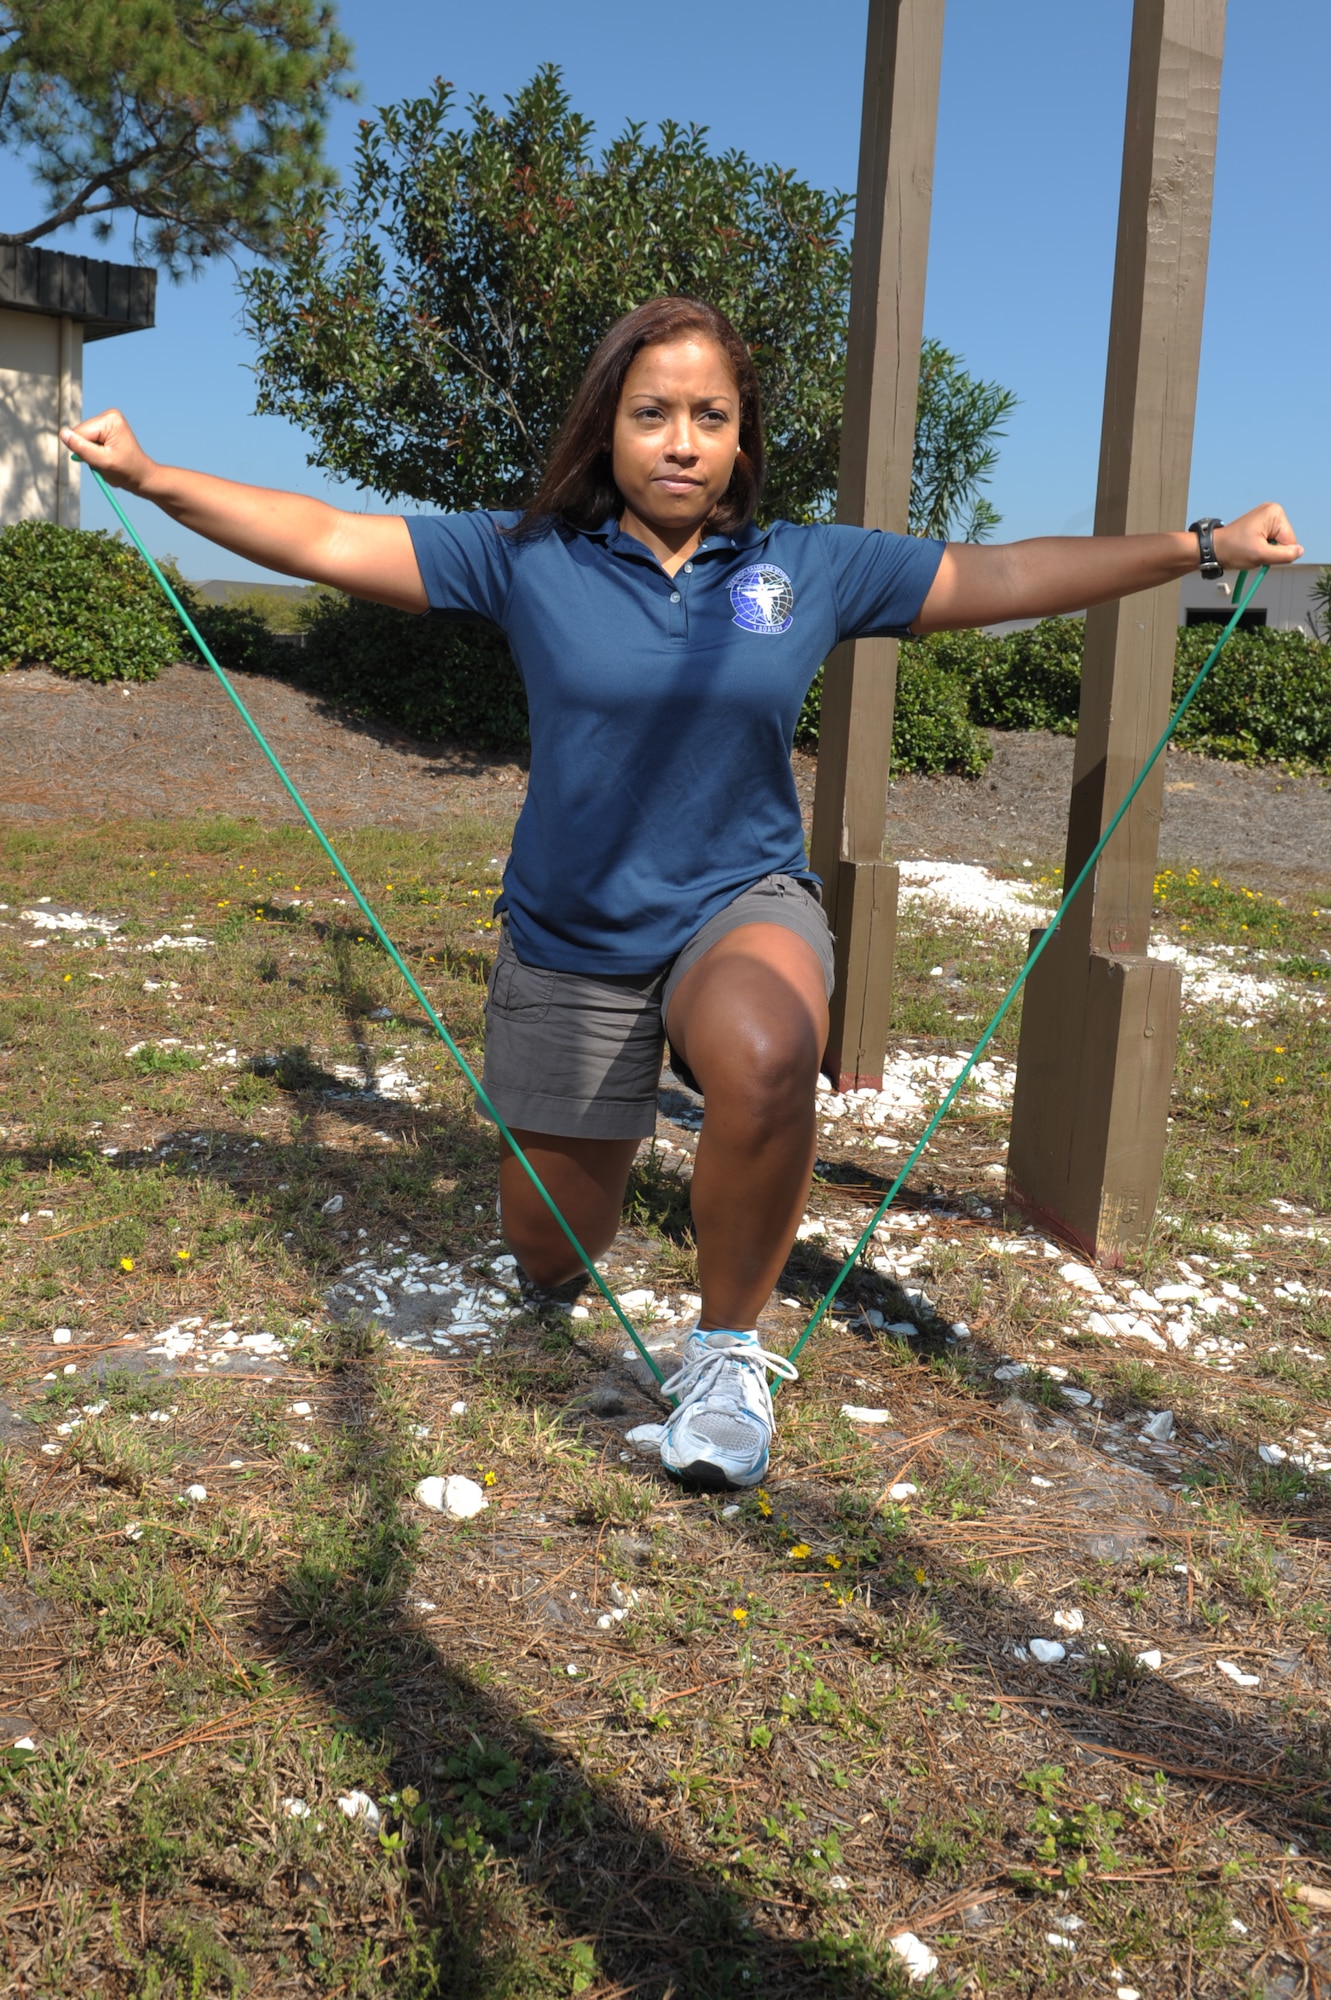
column 957, row 420
column 201, row 118
column 431, row 323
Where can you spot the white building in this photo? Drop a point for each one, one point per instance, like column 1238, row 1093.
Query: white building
column 1284, row 601
column 50, row 304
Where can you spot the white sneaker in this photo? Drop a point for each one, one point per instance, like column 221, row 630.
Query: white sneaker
column 720, row 1431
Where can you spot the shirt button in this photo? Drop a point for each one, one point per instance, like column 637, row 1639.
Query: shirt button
column 688, row 569
column 674, row 597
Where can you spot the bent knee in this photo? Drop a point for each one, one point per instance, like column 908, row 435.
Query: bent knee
column 547, row 1257
column 770, row 1077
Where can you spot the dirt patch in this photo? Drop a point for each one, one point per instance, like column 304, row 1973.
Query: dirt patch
column 174, row 747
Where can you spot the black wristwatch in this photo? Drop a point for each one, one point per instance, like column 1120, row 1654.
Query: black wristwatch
column 1205, row 533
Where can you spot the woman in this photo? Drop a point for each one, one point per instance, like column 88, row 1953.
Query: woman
column 658, row 886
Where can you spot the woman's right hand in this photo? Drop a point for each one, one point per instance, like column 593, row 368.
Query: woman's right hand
column 108, row 443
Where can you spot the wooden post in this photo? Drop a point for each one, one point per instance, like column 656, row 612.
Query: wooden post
column 1100, row 1018
column 901, row 70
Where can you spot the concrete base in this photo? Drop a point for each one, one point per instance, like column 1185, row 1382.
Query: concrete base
column 1090, row 1115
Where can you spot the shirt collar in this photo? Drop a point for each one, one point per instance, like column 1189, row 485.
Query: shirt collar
column 610, row 534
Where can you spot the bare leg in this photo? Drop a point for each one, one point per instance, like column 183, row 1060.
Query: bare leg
column 750, row 1020
column 586, row 1177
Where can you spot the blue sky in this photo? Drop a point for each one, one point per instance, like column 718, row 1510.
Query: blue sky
column 1021, row 256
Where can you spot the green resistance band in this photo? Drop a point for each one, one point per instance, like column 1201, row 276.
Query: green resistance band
column 375, row 924
column 1241, row 601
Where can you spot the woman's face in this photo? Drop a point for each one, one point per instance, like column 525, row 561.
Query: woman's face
column 676, row 433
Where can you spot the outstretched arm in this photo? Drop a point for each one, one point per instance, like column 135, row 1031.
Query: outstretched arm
column 367, row 555
column 1040, row 579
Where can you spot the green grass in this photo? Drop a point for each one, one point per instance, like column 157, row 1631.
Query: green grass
column 807, row 1731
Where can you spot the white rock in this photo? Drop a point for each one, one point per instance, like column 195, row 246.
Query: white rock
column 295, row 1809
column 1236, row 1674
column 1081, row 1397
column 1150, row 1660
column 1159, row 1426
column 635, row 1301
column 300, row 1409
column 571, row 1671
column 625, row 1599
column 457, row 1409
column 859, row 1415
column 1036, row 1480
column 1047, row 1651
column 196, row 1492
column 359, row 1805
column 458, row 1497
column 919, row 1961
column 61, row 1337
column 1059, row 1942
column 837, row 1882
column 1069, row 1621
column 904, row 1329
column 729, row 1513
column 23, row 1743
column 1080, row 1277
column 1126, row 1993
column 579, row 1312
column 903, row 1490
column 1272, row 1454
column 960, row 1330
column 1011, row 1371
column 333, row 1205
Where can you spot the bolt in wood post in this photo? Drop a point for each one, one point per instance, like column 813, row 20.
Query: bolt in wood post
column 1100, row 1017
column 902, row 64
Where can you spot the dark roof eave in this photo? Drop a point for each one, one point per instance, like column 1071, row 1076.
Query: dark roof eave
column 105, row 298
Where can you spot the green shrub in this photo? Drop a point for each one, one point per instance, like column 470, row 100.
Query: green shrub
column 81, row 602
column 930, row 730
column 1267, row 696
column 238, row 635
column 430, row 676
column 1030, row 680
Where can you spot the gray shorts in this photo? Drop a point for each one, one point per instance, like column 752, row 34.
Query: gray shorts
column 580, row 1058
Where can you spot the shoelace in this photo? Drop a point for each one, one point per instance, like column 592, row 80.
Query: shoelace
column 694, row 1382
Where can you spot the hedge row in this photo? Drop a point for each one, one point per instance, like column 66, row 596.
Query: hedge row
column 84, row 604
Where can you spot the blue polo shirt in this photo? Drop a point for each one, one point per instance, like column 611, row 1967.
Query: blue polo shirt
column 662, row 712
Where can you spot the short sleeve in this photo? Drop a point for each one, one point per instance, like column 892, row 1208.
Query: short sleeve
column 879, row 580
column 465, row 561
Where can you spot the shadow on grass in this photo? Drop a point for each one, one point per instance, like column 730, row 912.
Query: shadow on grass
column 517, row 1852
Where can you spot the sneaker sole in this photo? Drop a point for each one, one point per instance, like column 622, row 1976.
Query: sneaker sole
column 701, row 1476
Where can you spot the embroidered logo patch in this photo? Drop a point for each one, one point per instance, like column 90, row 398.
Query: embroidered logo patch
column 764, row 599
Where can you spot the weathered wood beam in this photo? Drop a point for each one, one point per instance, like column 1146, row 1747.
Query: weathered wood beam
column 893, row 197
column 1100, row 1018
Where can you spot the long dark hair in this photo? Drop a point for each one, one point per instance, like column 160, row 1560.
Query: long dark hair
column 578, row 484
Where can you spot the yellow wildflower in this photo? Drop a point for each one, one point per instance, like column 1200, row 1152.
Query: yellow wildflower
column 833, row 1562
column 183, row 1256
column 919, row 1576
column 739, row 1614
column 489, row 1479
column 127, row 1263
column 800, row 1550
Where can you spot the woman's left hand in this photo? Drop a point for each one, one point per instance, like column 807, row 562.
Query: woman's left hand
column 1261, row 536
